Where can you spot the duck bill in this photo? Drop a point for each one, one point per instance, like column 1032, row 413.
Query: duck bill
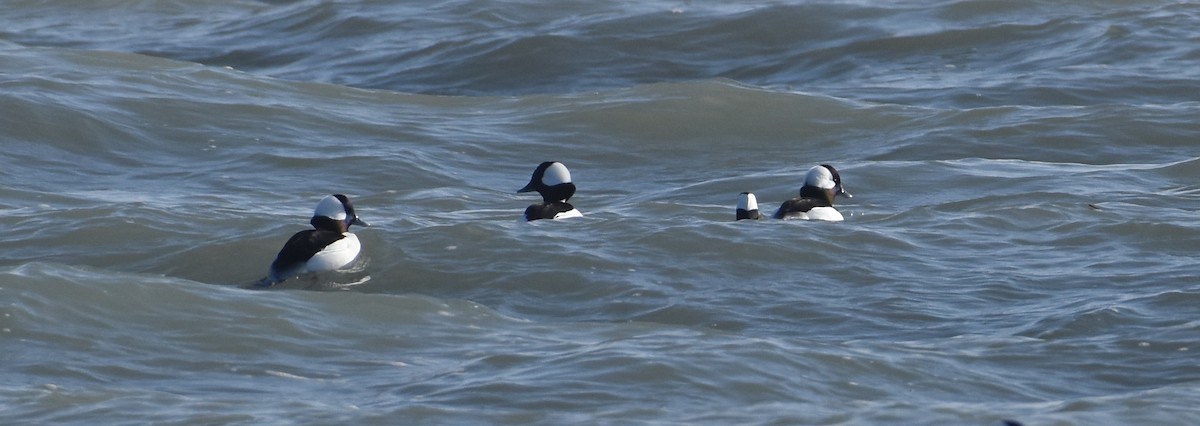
column 359, row 222
column 842, row 192
column 527, row 188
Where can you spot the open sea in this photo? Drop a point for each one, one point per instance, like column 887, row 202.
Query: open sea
column 1022, row 244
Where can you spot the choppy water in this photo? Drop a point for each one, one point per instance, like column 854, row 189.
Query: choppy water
column 1021, row 244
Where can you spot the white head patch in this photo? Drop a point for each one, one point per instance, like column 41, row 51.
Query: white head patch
column 747, row 202
column 330, row 207
column 555, row 174
column 819, row 177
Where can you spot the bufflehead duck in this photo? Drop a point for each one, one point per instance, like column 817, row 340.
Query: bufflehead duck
column 821, row 185
column 747, row 207
column 553, row 181
column 328, row 247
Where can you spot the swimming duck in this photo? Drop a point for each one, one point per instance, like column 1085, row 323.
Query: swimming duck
column 747, row 207
column 329, row 246
column 552, row 180
column 821, row 185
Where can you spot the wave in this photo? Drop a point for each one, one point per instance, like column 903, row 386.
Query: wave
column 1014, row 207
column 951, row 53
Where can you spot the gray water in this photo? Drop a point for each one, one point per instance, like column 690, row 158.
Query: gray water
column 1021, row 243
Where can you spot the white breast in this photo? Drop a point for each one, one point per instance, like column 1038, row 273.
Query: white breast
column 569, row 213
column 824, row 213
column 335, row 256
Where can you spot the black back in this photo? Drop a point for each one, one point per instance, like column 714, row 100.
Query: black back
column 547, row 210
column 303, row 246
column 800, row 205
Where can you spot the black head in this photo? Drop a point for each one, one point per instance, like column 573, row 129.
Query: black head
column 552, row 180
column 336, row 213
column 823, row 182
column 837, row 182
column 747, row 207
